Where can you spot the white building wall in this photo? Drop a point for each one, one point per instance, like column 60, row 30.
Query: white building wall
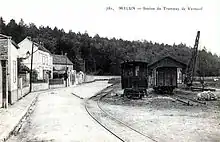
column 0, row 84
column 26, row 46
column 41, row 60
column 13, row 67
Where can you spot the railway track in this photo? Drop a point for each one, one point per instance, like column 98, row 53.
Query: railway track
column 187, row 101
column 118, row 128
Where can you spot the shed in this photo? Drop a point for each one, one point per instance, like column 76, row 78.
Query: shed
column 166, row 73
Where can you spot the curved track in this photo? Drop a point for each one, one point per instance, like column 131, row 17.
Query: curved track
column 118, row 128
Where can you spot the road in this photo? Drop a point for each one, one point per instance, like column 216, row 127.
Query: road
column 61, row 116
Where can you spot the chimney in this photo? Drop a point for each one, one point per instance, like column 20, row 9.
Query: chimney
column 28, row 37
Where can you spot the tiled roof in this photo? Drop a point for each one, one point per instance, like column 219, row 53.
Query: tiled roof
column 61, row 59
column 40, row 47
column 8, row 37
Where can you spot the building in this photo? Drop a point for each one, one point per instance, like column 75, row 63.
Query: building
column 166, row 73
column 62, row 65
column 42, row 58
column 8, row 70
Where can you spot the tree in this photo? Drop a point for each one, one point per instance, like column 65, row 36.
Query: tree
column 2, row 26
column 102, row 54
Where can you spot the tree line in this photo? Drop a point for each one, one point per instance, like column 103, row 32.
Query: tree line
column 102, row 55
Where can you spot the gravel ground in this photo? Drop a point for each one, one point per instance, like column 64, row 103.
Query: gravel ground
column 165, row 119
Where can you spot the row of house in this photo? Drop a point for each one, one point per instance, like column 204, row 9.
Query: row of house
column 15, row 62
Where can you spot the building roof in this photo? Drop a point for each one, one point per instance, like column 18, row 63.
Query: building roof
column 134, row 62
column 4, row 37
column 15, row 44
column 40, row 47
column 165, row 64
column 61, row 59
column 8, row 37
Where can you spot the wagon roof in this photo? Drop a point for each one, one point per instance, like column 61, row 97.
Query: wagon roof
column 134, row 62
column 178, row 63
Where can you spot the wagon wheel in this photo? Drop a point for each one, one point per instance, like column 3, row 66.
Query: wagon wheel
column 129, row 96
column 127, row 93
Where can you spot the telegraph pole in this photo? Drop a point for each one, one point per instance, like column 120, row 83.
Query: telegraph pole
column 66, row 78
column 32, row 51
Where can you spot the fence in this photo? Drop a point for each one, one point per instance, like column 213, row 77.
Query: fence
column 56, row 81
column 40, row 81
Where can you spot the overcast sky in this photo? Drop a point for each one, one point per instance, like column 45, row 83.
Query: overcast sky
column 167, row 26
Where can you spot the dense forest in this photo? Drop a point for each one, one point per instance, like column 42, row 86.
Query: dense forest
column 101, row 55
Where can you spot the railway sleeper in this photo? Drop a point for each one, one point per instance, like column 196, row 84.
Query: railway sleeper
column 193, row 100
column 185, row 102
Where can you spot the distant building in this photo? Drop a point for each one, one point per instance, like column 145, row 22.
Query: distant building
column 8, row 70
column 62, row 65
column 42, row 58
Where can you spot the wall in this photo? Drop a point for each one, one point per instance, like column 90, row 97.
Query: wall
column 22, row 92
column 39, row 86
column 89, row 78
column 13, row 74
column 57, row 86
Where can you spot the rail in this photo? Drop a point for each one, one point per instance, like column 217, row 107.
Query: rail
column 96, row 99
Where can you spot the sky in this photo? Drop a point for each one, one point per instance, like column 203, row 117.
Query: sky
column 91, row 16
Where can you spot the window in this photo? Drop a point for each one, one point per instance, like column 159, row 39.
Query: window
column 43, row 59
column 137, row 69
column 46, row 60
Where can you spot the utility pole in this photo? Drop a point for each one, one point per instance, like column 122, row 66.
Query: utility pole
column 32, row 51
column 66, row 75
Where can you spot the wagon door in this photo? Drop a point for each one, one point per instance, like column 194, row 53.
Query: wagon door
column 160, row 78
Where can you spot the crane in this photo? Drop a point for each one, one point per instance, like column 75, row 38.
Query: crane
column 190, row 70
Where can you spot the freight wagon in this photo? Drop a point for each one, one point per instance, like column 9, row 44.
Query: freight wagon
column 166, row 73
